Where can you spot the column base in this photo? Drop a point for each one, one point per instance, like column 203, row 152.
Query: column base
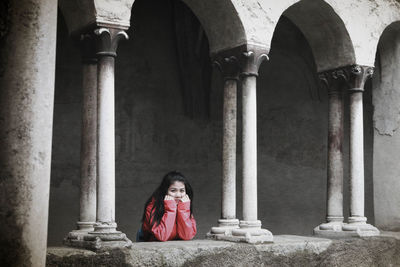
column 75, row 236
column 331, row 229
column 251, row 232
column 224, row 228
column 104, row 237
column 86, row 226
column 359, row 227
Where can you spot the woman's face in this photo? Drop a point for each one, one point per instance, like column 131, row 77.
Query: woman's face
column 177, row 190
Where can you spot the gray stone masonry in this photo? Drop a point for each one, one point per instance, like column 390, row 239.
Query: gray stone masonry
column 285, row 251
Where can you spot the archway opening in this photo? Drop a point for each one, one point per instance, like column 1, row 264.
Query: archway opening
column 166, row 116
column 292, row 129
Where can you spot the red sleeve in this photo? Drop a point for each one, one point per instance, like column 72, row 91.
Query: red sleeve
column 186, row 227
column 163, row 231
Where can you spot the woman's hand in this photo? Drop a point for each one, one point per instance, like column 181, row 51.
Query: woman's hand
column 185, row 198
column 168, row 197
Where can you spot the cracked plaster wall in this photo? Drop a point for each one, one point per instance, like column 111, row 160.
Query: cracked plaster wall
column 386, row 97
column 364, row 22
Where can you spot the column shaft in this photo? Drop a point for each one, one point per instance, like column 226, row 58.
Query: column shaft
column 335, row 157
column 357, row 225
column 229, row 151
column 106, row 140
column 250, row 228
column 105, row 234
column 249, row 105
column 356, row 155
column 88, row 147
column 228, row 64
column 27, row 73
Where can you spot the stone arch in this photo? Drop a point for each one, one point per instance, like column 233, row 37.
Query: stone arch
column 219, row 18
column 81, row 15
column 386, row 122
column 70, row 9
column 221, row 22
column 365, row 22
column 325, row 31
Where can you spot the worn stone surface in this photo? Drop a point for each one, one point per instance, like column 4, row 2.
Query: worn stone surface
column 365, row 21
column 340, row 33
column 113, row 11
column 334, row 200
column 286, row 251
column 228, row 194
column 386, row 118
column 88, row 168
column 356, row 155
column 26, row 118
column 83, row 14
column 249, row 147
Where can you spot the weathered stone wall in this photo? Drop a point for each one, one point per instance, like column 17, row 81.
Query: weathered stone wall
column 386, row 99
column 286, row 251
column 154, row 136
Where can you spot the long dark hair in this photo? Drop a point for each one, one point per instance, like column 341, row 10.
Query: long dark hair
column 158, row 196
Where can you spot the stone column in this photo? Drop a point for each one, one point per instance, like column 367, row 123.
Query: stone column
column 334, row 81
column 27, row 70
column 105, row 234
column 87, row 217
column 357, row 221
column 88, row 190
column 250, row 227
column 229, row 67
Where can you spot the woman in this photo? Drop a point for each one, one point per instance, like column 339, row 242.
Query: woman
column 168, row 212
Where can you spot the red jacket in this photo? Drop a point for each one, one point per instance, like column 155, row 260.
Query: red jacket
column 176, row 223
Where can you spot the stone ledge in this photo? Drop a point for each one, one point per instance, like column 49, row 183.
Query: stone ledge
column 285, row 251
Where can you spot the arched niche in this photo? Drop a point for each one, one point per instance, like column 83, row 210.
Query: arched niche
column 292, row 134
column 325, row 32
column 386, row 122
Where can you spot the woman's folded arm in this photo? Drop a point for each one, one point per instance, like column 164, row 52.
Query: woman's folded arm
column 186, row 224
column 163, row 230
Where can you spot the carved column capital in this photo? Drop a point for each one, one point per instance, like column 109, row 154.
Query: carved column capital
column 357, row 77
column 354, row 76
column 333, row 79
column 243, row 60
column 229, row 67
column 251, row 59
column 107, row 41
